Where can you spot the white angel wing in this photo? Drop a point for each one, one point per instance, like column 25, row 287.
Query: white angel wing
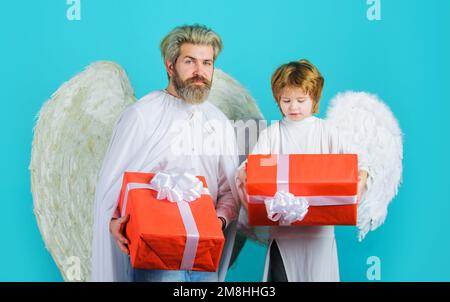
column 371, row 128
column 232, row 98
column 71, row 137
column 238, row 105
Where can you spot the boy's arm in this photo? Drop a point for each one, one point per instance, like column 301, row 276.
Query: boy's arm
column 362, row 182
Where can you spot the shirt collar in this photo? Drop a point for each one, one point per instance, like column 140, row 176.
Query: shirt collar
column 305, row 121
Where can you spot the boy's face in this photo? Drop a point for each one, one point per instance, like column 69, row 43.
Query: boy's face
column 295, row 104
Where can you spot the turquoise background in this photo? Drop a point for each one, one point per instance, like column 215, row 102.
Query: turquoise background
column 403, row 58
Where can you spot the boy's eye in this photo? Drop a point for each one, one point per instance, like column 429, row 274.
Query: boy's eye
column 286, row 101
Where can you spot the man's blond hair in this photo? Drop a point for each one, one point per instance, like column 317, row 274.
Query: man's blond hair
column 192, row 34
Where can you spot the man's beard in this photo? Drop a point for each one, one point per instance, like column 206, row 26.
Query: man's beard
column 188, row 91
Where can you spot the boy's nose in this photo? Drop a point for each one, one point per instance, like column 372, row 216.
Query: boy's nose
column 293, row 106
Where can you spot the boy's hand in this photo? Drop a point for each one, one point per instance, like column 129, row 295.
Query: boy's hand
column 116, row 227
column 243, row 178
column 362, row 180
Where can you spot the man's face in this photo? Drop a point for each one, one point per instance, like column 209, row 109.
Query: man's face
column 192, row 73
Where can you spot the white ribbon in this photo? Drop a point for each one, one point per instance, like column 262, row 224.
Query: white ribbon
column 177, row 185
column 286, row 208
column 180, row 187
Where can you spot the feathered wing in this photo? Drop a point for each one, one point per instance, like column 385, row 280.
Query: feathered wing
column 371, row 129
column 232, row 98
column 71, row 137
column 239, row 106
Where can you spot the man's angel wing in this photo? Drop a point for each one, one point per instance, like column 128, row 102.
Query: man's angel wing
column 71, row 136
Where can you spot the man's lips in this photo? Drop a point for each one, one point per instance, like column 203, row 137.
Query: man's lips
column 198, row 82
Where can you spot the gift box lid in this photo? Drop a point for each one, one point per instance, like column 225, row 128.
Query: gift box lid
column 309, row 174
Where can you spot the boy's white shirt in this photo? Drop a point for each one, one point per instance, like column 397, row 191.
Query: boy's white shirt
column 309, row 252
column 142, row 141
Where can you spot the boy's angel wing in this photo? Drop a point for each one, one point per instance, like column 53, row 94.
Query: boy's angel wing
column 371, row 128
column 71, row 137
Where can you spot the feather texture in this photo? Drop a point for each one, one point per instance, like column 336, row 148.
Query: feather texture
column 71, row 136
column 371, row 128
column 238, row 105
column 232, row 98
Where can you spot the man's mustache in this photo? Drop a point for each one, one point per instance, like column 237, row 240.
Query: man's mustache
column 198, row 79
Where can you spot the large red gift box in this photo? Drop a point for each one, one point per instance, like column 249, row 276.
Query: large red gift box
column 327, row 181
column 157, row 232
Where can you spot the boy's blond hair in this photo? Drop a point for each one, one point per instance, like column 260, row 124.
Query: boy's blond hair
column 193, row 34
column 301, row 74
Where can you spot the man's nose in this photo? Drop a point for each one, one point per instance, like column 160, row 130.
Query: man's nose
column 198, row 69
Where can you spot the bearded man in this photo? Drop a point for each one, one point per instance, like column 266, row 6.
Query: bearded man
column 166, row 129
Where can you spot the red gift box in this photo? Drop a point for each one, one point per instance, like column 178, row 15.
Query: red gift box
column 328, row 182
column 160, row 232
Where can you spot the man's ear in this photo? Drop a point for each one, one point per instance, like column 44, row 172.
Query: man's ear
column 169, row 68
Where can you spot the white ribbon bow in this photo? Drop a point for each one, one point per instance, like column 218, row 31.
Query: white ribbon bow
column 177, row 185
column 286, row 208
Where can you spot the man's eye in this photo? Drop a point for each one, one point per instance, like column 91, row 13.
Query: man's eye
column 207, row 63
column 188, row 61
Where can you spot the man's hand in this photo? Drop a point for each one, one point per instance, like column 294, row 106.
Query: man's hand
column 116, row 227
column 242, row 175
column 362, row 180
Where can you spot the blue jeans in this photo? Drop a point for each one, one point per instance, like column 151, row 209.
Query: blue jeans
column 147, row 275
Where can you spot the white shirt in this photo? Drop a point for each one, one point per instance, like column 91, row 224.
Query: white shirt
column 309, row 253
column 161, row 132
